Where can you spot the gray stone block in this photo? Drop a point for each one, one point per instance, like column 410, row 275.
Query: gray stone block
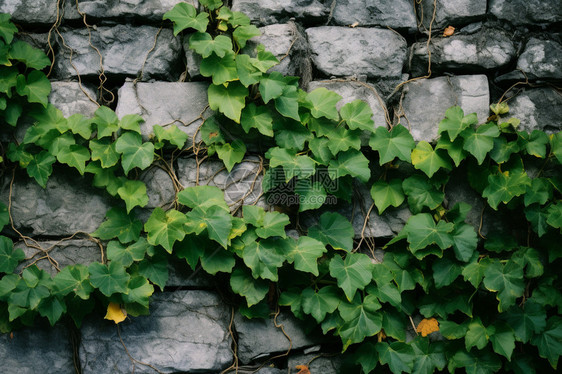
column 325, row 365
column 37, row 350
column 541, row 59
column 146, row 10
column 159, row 188
column 398, row 14
column 521, row 12
column 186, row 331
column 165, row 103
column 479, row 52
column 451, row 12
column 192, row 60
column 538, row 109
column 426, row 101
column 30, row 11
column 67, row 205
column 71, row 99
column 342, row 51
column 267, row 12
column 124, row 50
column 260, row 338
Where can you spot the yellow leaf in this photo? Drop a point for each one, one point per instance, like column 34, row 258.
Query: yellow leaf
column 427, row 326
column 449, row 31
column 303, row 369
column 115, row 313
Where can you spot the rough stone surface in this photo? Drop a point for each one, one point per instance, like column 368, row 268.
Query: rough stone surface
column 165, row 103
column 342, row 51
column 538, row 109
column 26, row 11
column 542, row 59
column 267, row 12
column 257, row 337
column 124, row 50
column 146, row 10
column 484, row 50
column 71, row 99
column 520, row 12
column 69, row 252
column 186, row 331
column 426, row 101
column 67, row 205
column 37, row 350
column 451, row 12
column 398, row 14
column 159, row 188
column 324, row 365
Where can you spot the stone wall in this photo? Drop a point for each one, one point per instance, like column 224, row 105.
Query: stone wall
column 359, row 48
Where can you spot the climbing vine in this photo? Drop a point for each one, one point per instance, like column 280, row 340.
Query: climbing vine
column 481, row 296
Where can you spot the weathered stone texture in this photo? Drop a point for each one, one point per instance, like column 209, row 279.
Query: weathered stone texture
column 70, row 98
column 398, row 14
column 484, row 50
column 30, row 11
column 259, row 337
column 324, row 365
column 341, row 51
column 520, row 12
column 450, row 12
column 165, row 103
column 124, row 50
column 159, row 187
column 538, row 109
column 186, row 331
column 426, row 101
column 541, row 59
column 36, row 350
column 267, row 12
column 147, row 10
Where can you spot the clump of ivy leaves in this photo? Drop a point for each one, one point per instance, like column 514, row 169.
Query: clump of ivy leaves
column 491, row 296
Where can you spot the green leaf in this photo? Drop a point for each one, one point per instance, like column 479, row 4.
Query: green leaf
column 273, row 225
column 109, row 279
column 164, row 228
column 353, row 273
column 387, row 194
column 536, row 144
column 106, row 121
column 530, row 259
column 247, row 71
column 422, row 231
column 74, row 278
column 127, row 254
column 139, row 291
column 203, row 197
column 335, row 230
column 75, row 156
column 155, row 269
column 36, row 87
column 357, row 115
column 361, row 320
column 455, row 122
column 454, row 149
column 305, row 253
column 131, row 122
column 556, row 146
column 352, row 163
column 555, row 215
column 217, row 260
column 538, row 191
column 480, row 141
column 342, row 139
column 465, row 241
column 4, row 216
column 33, row 58
column 229, row 101
column 172, row 134
column 271, row 86
column 216, row 220
column 421, row 194
column 291, row 134
column 322, row 103
column 257, row 117
column 7, row 28
column 398, row 142
column 293, row 165
column 480, row 362
column 9, row 258
column 527, row 320
column 134, row 153
column 476, row 335
column 397, row 355
column 104, row 151
column 185, row 16
column 41, row 167
column 133, row 193
column 243, row 33
column 288, row 104
column 242, row 283
column 265, row 60
column 320, row 303
column 428, row 160
column 506, row 280
column 537, row 216
column 119, row 225
column 311, row 195
column 79, row 125
column 502, row 338
column 231, row 153
column 51, row 308
column 222, row 69
column 502, row 187
column 264, row 257
column 549, row 342
column 61, row 143
column 428, row 357
column 204, row 44
column 445, row 272
column 503, row 150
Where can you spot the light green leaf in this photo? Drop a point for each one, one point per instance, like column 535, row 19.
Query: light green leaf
column 428, row 160
column 264, row 257
column 357, row 115
column 398, row 142
column 555, row 215
column 61, row 143
column 273, row 225
column 322, row 103
column 172, row 134
column 36, row 87
column 119, row 225
column 40, row 167
column 229, row 101
column 185, row 16
column 222, row 69
column 454, row 149
column 342, row 139
column 288, row 104
column 291, row 134
column 243, row 33
column 203, row 197
column 353, row 273
column 127, row 254
column 9, row 258
column 33, row 58
column 164, row 228
column 139, row 291
column 305, row 253
column 75, row 156
column 80, row 125
column 387, row 194
column 455, row 122
column 133, row 193
column 248, row 73
column 476, row 335
column 480, row 141
column 106, row 120
column 242, row 283
column 257, row 117
column 502, row 187
column 7, row 28
column 556, row 145
column 134, row 153
column 104, row 151
column 293, row 165
column 109, row 279
column 311, row 195
column 231, row 153
column 320, row 303
column 204, row 44
column 335, row 230
column 361, row 320
column 265, row 60
column 74, row 278
column 352, row 163
column 215, row 219
column 155, row 269
column 271, row 86
column 422, row 231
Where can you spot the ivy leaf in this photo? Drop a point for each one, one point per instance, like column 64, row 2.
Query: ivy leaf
column 454, row 149
column 172, row 134
column 107, row 121
column 109, row 279
column 530, row 259
column 502, row 338
column 273, row 225
column 51, row 308
column 75, row 156
column 322, row 103
column 502, row 187
column 139, row 291
column 33, row 58
column 320, row 150
column 527, row 320
column 506, row 280
column 335, row 230
column 352, row 163
column 465, row 241
column 264, row 257
column 445, row 272
column 428, row 357
column 556, row 146
column 216, row 220
column 242, row 283
column 476, row 335
column 9, row 258
column 353, row 273
column 428, row 160
column 79, row 125
column 555, row 215
column 549, row 342
column 422, row 231
column 104, row 151
column 229, row 101
column 293, row 165
column 271, row 86
column 342, row 139
column 311, row 196
column 61, row 143
column 40, row 167
column 248, row 73
column 398, row 142
column 74, row 278
column 421, row 194
column 222, row 69
column 537, row 216
column 134, row 153
column 481, row 362
column 538, row 191
column 36, row 87
column 357, row 115
column 397, row 355
column 320, row 303
column 243, row 33
column 119, row 225
column 231, row 153
column 503, row 150
column 394, row 325
column 164, row 228
column 480, row 141
column 133, row 193
column 257, row 117
column 155, row 269
column 361, row 320
column 305, row 253
column 7, row 28
column 291, row 134
column 288, row 104
column 265, row 60
column 127, row 254
column 204, row 44
column 185, row 16
column 203, row 197
column 455, row 122
column 387, row 194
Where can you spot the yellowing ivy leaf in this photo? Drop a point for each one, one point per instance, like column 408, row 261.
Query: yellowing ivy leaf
column 303, row 369
column 427, row 326
column 115, row 313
